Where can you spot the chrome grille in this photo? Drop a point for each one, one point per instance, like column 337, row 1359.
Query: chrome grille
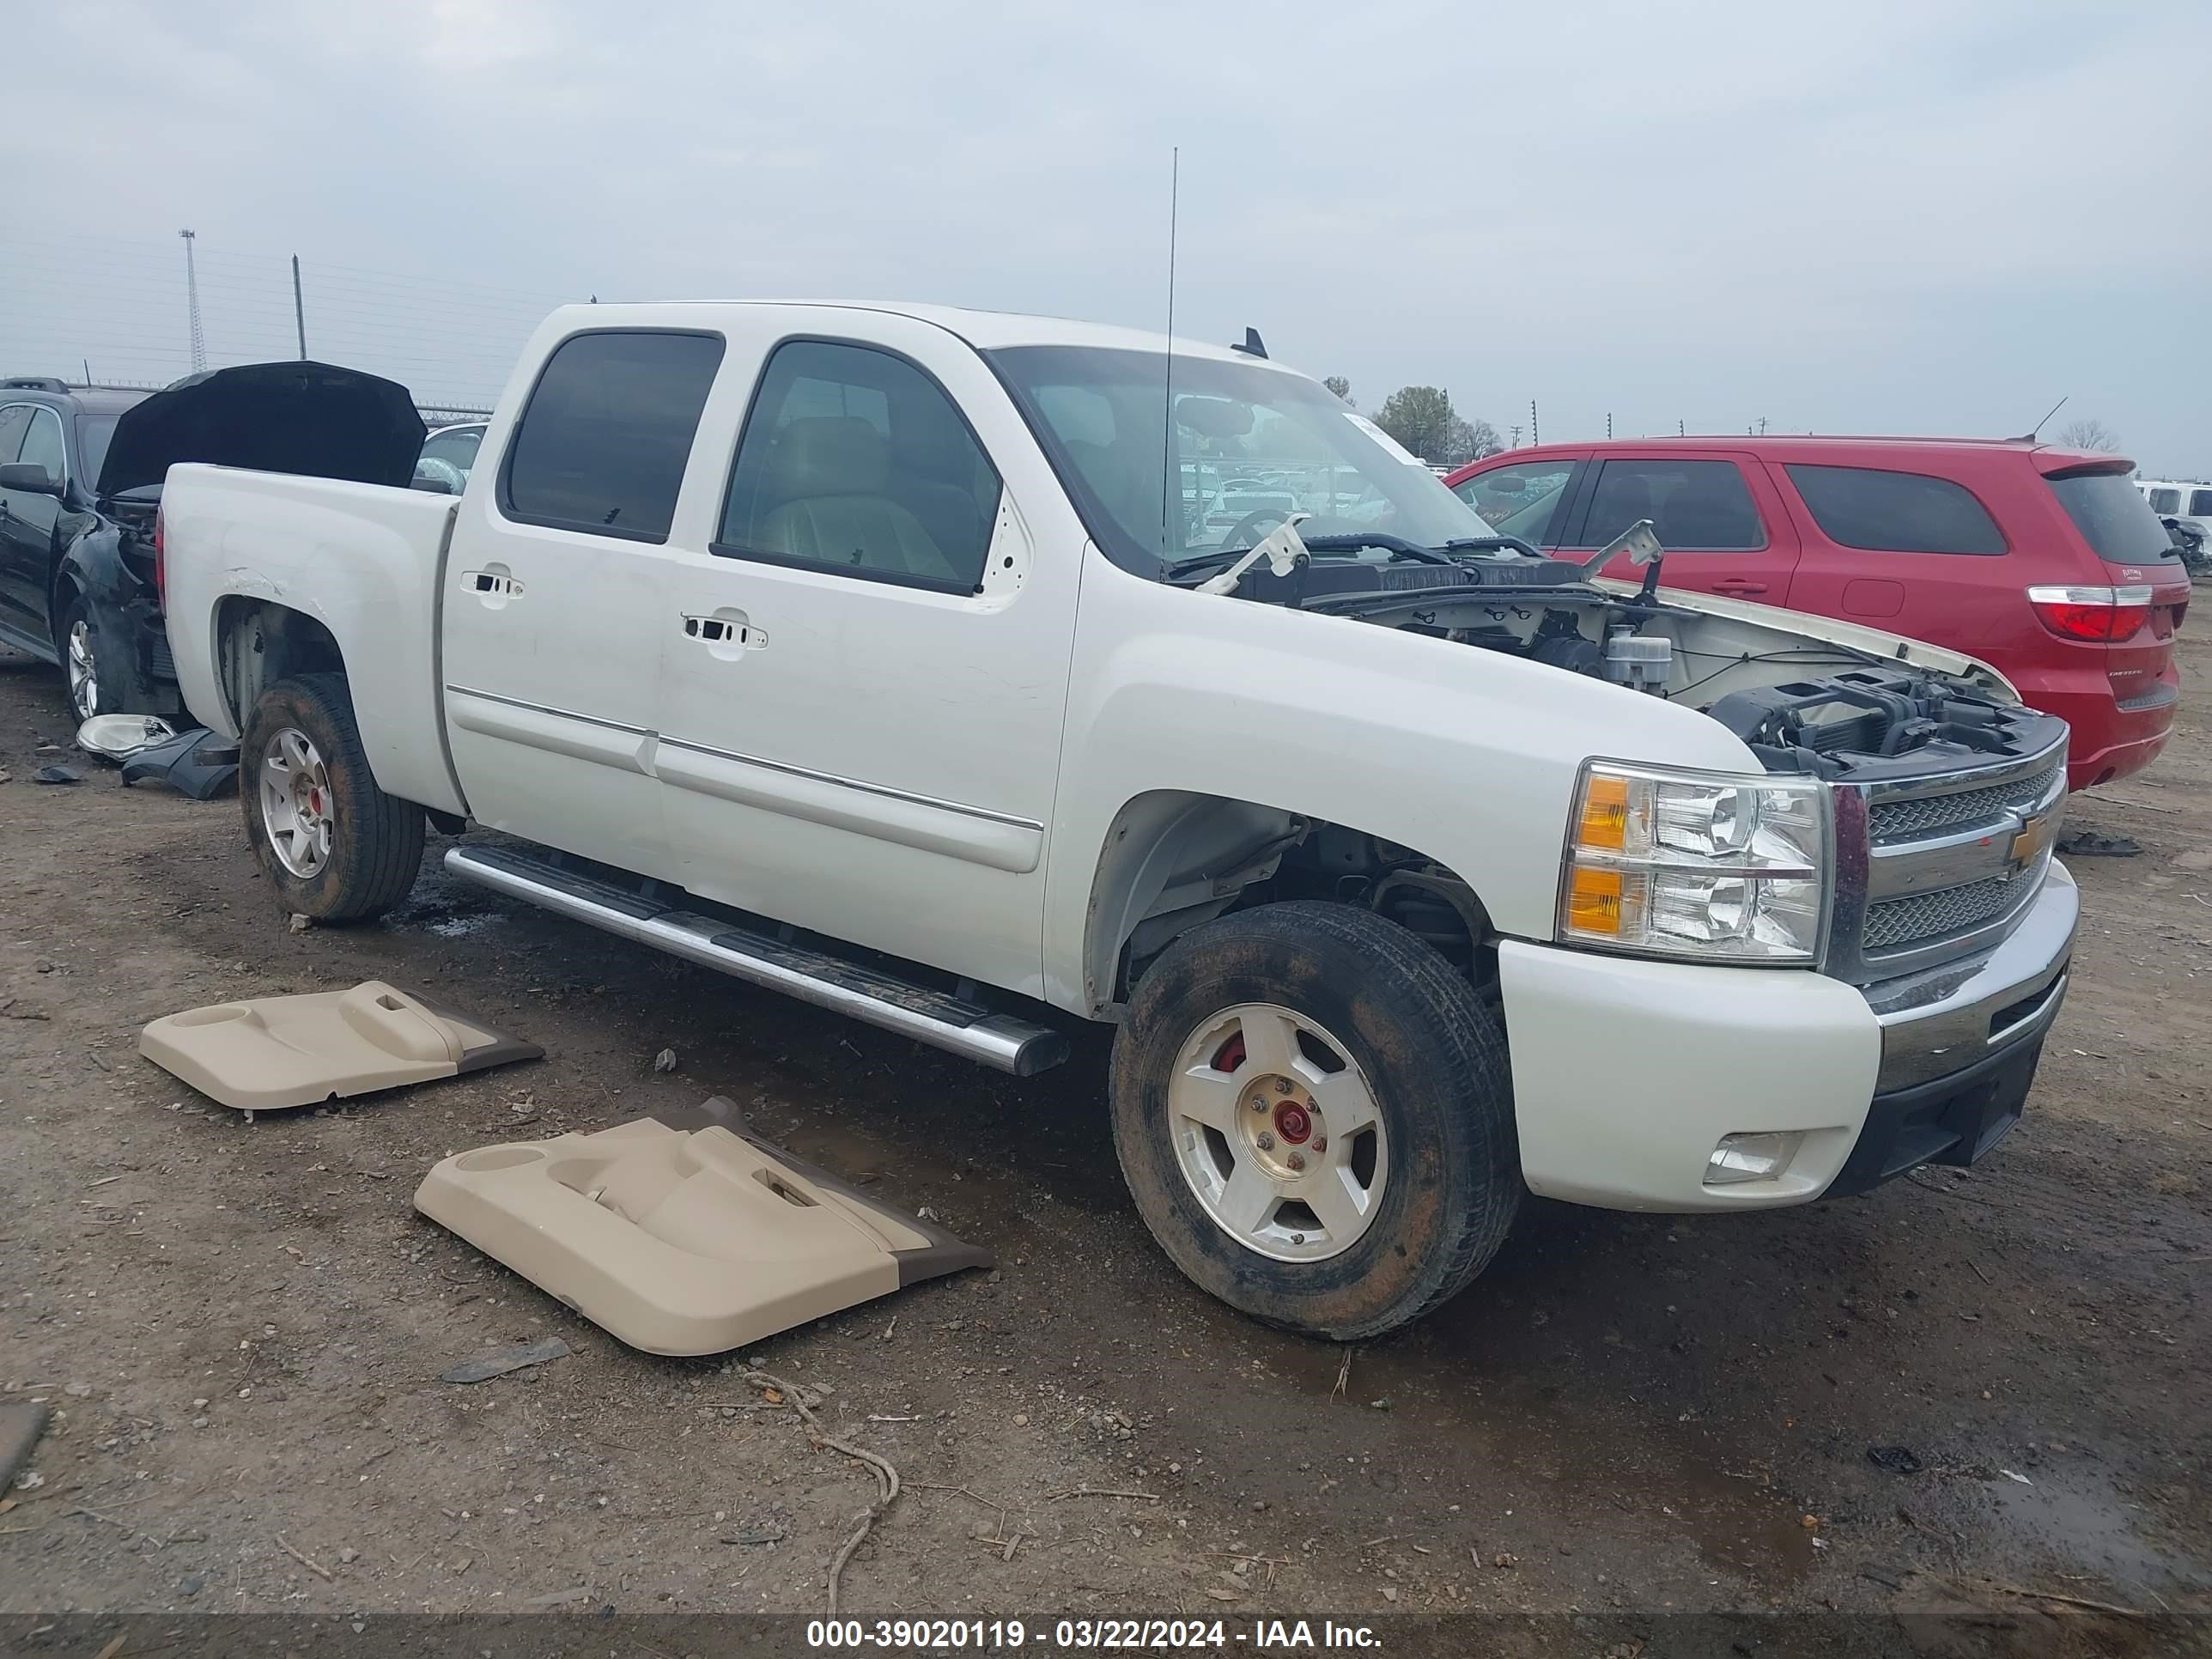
column 1949, row 911
column 1903, row 820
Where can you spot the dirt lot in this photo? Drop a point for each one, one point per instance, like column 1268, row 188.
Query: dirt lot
column 240, row 1325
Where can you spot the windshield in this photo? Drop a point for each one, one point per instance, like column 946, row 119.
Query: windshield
column 1250, row 445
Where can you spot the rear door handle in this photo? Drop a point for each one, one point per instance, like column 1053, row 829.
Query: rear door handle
column 492, row 583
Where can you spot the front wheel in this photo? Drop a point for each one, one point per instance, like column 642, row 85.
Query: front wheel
column 80, row 655
column 1313, row 1112
column 333, row 846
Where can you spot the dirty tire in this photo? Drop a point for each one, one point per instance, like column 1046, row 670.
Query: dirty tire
column 376, row 843
column 1435, row 1057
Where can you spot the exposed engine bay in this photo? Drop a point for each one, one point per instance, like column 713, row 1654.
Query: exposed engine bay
column 1825, row 706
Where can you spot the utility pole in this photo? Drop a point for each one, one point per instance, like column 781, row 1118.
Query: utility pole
column 299, row 308
column 1517, row 437
column 1536, row 432
column 192, row 304
column 1762, row 426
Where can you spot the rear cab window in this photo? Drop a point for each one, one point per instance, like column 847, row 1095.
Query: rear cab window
column 2164, row 501
column 2112, row 517
column 1882, row 511
column 2200, row 504
column 603, row 442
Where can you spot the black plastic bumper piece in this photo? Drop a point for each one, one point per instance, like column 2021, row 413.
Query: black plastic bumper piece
column 1952, row 1120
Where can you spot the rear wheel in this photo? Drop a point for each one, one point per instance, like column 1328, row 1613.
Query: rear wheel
column 1313, row 1112
column 333, row 846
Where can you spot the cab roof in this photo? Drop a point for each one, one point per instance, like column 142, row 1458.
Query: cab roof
column 986, row 331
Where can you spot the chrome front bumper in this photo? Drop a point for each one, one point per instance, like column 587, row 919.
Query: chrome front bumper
column 1949, row 1018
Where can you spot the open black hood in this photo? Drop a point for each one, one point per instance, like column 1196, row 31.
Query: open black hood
column 314, row 419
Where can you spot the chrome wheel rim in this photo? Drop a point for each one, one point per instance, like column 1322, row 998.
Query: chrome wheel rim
column 297, row 811
column 1278, row 1133
column 83, row 670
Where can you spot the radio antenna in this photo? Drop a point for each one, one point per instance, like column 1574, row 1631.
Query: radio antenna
column 2031, row 435
column 1168, row 468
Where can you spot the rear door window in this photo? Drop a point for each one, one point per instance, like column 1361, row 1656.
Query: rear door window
column 854, row 460
column 1888, row 512
column 2200, row 504
column 602, row 444
column 2113, row 518
column 1694, row 506
column 1521, row 500
column 2164, row 501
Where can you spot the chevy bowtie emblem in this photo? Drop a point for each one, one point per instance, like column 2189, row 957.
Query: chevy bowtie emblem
column 2034, row 835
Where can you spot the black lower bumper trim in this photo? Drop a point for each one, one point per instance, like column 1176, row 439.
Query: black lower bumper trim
column 1952, row 1120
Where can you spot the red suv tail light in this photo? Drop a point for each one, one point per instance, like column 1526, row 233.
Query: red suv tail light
column 2104, row 616
column 160, row 562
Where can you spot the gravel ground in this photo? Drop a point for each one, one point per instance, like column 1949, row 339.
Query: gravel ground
column 240, row 1327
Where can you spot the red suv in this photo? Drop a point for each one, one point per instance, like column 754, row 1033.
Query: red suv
column 2045, row 563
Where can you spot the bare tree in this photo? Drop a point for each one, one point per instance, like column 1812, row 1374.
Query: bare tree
column 2089, row 432
column 1342, row 387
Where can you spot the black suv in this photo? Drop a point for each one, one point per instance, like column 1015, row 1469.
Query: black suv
column 76, row 569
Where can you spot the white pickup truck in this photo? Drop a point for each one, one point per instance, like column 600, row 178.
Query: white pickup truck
column 881, row 655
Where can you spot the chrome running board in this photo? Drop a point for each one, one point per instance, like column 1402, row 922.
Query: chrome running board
column 867, row 994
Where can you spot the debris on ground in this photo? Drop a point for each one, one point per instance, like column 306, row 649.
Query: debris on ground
column 664, row 1060
column 2088, row 844
column 20, row 1425
column 197, row 764
column 116, row 737
column 57, row 774
column 268, row 1052
column 299, row 923
column 498, row 1362
column 1894, row 1460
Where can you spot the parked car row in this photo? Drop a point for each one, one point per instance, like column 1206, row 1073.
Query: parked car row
column 2043, row 561
column 81, row 477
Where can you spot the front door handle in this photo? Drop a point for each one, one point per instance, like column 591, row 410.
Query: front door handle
column 1739, row 584
column 727, row 632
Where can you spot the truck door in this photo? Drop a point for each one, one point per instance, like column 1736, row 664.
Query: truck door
column 1716, row 511
column 867, row 668
column 555, row 602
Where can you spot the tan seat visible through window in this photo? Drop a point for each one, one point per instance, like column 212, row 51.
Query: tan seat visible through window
column 830, row 473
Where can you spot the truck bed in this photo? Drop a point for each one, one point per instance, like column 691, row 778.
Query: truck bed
column 362, row 560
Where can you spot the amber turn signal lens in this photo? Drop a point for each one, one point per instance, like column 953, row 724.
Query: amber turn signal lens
column 1605, row 813
column 1594, row 901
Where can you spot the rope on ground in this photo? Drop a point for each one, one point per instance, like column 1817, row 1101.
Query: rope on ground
column 887, row 1476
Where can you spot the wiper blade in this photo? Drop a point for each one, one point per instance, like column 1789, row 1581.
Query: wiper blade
column 1492, row 544
column 1397, row 546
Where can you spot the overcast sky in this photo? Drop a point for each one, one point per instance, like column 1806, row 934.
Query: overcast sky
column 1873, row 216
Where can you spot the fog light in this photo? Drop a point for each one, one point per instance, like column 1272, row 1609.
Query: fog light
column 1751, row 1157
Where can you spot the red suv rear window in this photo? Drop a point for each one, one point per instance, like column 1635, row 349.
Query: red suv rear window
column 2113, row 518
column 1888, row 512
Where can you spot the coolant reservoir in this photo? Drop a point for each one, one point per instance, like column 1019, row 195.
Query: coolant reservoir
column 1641, row 661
